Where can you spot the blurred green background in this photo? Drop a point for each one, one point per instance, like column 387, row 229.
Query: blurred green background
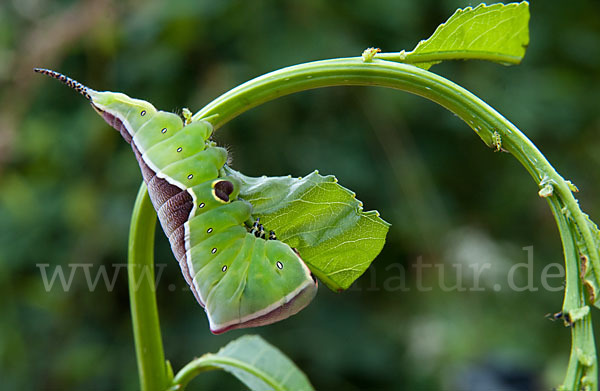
column 68, row 183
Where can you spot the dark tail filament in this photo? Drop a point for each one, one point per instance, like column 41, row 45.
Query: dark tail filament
column 74, row 84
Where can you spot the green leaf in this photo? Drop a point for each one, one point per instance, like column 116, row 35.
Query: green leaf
column 256, row 363
column 321, row 219
column 497, row 32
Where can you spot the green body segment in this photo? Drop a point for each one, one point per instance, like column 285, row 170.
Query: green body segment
column 147, row 136
column 241, row 280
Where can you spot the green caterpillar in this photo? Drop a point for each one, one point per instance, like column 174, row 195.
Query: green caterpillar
column 240, row 277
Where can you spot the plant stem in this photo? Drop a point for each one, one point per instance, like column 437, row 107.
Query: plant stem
column 412, row 58
column 581, row 332
column 481, row 117
column 152, row 368
column 495, row 131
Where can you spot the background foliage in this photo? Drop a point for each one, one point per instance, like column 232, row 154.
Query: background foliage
column 68, row 183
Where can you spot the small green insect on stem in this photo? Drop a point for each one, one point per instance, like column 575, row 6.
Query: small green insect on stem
column 369, row 54
column 497, row 141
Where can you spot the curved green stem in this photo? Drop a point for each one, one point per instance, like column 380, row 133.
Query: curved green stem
column 354, row 71
column 152, row 368
column 487, row 123
column 495, row 131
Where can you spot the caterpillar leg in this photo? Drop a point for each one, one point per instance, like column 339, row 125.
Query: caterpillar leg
column 255, row 227
column 260, row 233
column 258, row 230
